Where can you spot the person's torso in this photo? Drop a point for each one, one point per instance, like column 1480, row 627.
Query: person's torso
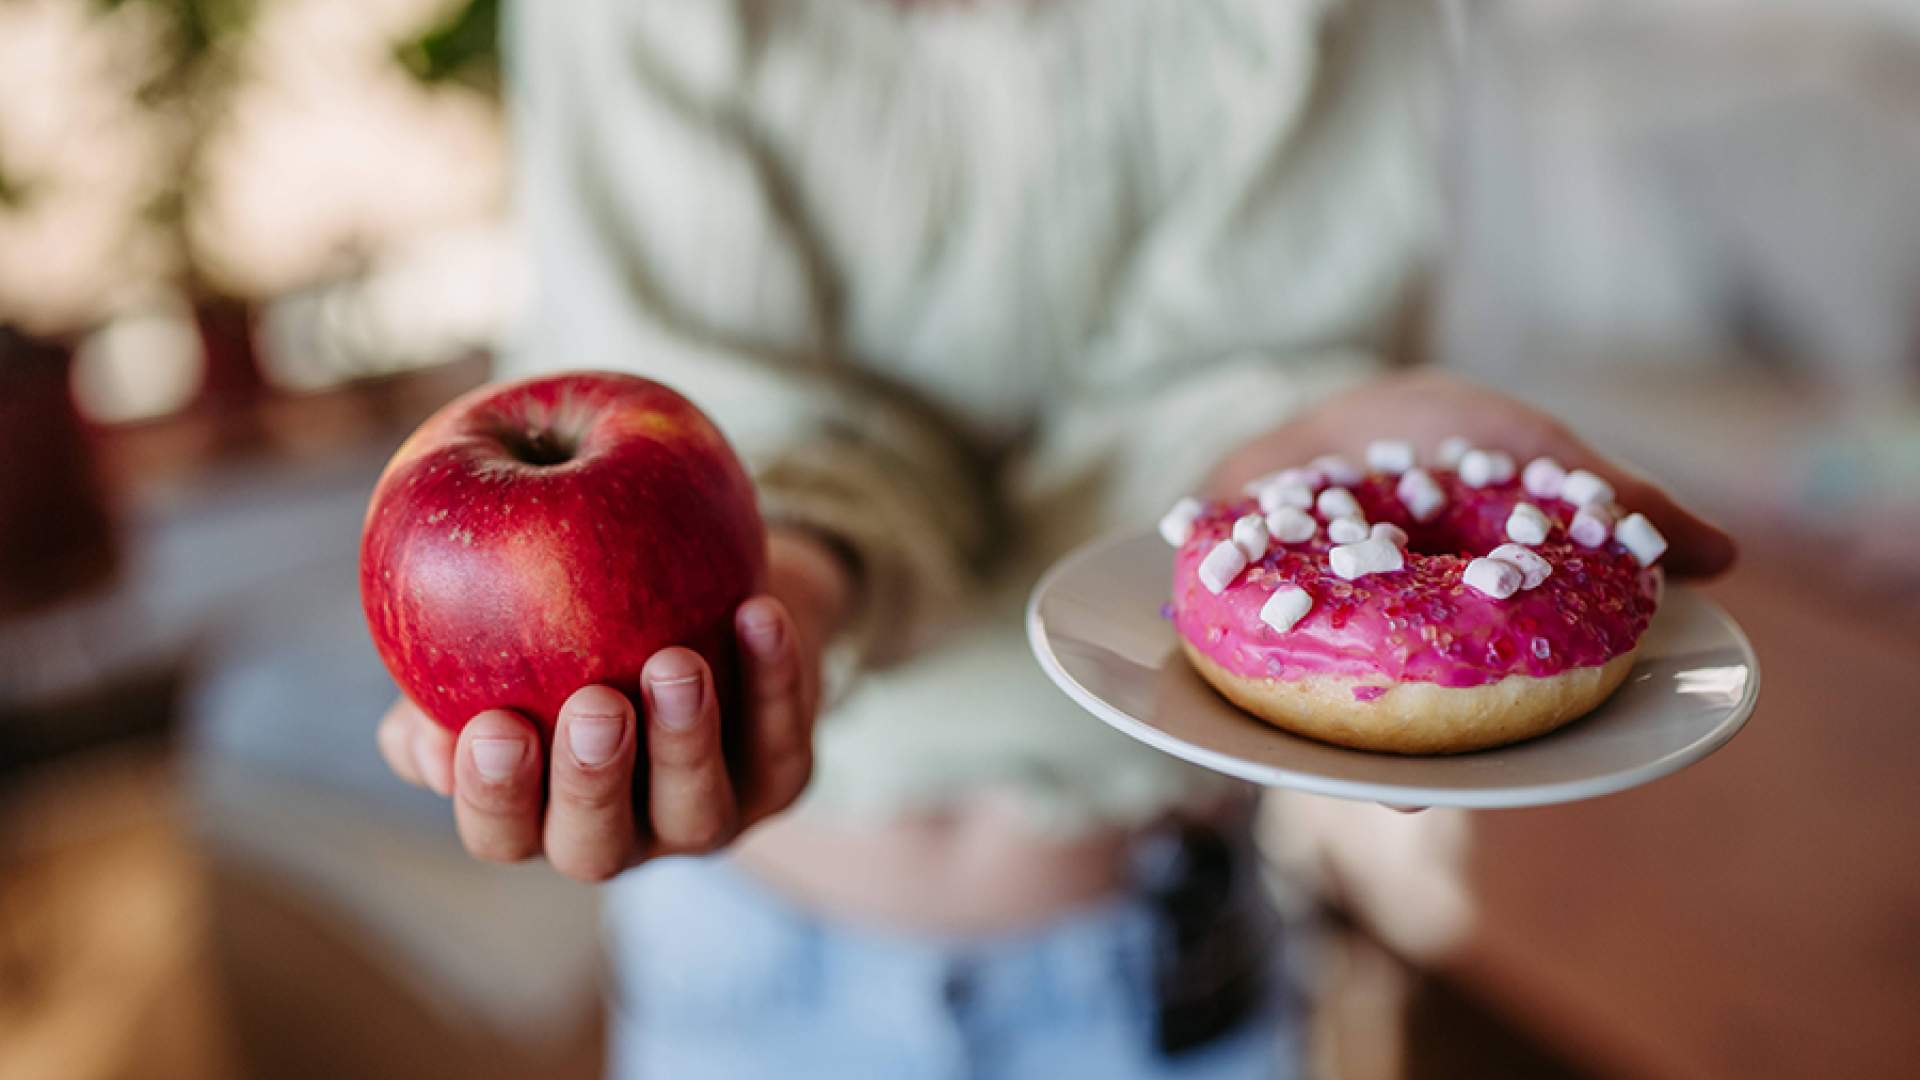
column 1003, row 210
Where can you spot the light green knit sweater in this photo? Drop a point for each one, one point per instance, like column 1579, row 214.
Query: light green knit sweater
column 970, row 283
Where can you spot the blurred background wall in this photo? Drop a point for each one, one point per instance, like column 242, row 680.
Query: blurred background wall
column 246, row 244
column 1676, row 217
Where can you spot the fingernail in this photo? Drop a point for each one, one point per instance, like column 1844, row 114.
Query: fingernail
column 594, row 738
column 676, row 702
column 496, row 759
column 762, row 628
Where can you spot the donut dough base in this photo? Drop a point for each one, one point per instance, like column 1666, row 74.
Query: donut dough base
column 1417, row 717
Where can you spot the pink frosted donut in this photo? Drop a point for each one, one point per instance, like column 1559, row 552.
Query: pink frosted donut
column 1419, row 660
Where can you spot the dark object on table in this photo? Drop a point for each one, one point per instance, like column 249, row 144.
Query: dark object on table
column 56, row 526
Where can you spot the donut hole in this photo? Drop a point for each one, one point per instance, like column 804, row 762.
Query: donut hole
column 1473, row 522
column 1447, row 537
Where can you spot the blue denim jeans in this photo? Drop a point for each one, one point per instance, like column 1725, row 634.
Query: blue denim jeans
column 718, row 977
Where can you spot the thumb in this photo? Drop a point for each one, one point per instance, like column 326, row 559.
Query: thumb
column 1696, row 548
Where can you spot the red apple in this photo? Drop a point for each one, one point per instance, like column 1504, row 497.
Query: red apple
column 534, row 537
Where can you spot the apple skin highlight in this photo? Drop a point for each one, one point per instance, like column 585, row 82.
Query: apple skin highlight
column 539, row 536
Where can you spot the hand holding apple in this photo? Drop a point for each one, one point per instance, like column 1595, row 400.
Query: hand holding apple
column 558, row 591
column 591, row 818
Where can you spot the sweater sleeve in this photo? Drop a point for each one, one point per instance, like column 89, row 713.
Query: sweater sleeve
column 667, row 241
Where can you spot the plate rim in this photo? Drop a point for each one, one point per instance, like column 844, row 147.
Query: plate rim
column 1516, row 797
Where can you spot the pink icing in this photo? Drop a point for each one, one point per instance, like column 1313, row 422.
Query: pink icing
column 1420, row 624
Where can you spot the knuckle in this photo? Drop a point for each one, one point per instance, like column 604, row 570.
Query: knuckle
column 685, row 751
column 777, row 794
column 497, row 799
column 777, row 684
column 708, row 839
column 598, row 795
column 802, row 767
column 705, row 835
column 789, row 782
column 795, row 763
column 591, row 867
column 780, row 739
column 496, row 847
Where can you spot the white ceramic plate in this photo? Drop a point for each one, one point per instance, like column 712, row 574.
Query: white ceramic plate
column 1095, row 625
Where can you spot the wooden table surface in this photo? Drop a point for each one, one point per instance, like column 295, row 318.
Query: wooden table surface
column 1757, row 915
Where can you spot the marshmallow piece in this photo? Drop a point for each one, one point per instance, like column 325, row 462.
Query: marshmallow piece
column 1338, row 502
column 1451, row 450
column 1298, row 477
column 1591, row 525
column 1288, row 605
column 1638, row 536
column 1250, row 534
column 1420, row 493
column 1369, row 556
column 1391, row 533
column 1177, row 525
column 1281, row 493
column 1533, row 567
column 1493, row 577
column 1527, row 524
column 1390, row 455
column 1291, row 525
column 1221, row 566
column 1346, row 530
column 1543, row 478
column 1310, row 478
column 1583, row 488
column 1336, row 469
column 1480, row 468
